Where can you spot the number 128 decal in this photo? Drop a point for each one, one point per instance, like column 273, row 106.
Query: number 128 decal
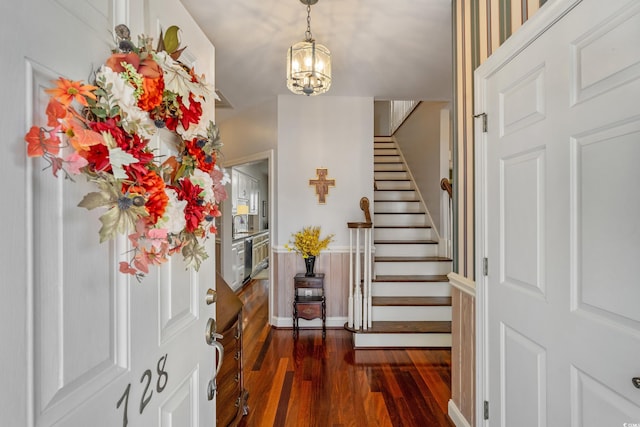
column 147, row 393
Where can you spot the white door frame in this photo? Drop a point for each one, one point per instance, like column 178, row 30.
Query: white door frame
column 547, row 16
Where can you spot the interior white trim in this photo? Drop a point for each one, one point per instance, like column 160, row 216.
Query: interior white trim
column 456, row 416
column 462, row 283
column 513, row 46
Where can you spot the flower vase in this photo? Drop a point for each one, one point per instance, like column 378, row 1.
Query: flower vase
column 310, row 263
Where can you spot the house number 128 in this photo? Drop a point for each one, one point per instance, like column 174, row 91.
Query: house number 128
column 147, row 393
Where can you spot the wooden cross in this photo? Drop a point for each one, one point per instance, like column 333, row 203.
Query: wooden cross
column 322, row 184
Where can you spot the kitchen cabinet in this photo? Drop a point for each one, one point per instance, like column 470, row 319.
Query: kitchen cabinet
column 260, row 249
column 244, row 190
column 254, row 196
column 237, row 255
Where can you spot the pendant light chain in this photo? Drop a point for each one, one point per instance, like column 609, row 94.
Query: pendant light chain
column 307, row 34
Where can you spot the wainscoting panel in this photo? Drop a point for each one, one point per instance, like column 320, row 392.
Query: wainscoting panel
column 463, row 349
column 335, row 266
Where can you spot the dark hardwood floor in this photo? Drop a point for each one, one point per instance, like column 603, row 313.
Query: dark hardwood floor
column 314, row 382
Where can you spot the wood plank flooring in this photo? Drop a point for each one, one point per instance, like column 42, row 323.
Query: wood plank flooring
column 325, row 383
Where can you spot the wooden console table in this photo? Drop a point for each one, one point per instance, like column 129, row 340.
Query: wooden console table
column 309, row 300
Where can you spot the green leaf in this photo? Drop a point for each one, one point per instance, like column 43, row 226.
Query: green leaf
column 99, row 112
column 94, row 200
column 171, row 41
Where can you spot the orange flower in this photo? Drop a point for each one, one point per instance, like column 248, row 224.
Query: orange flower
column 152, row 94
column 67, row 91
column 151, row 186
column 115, row 61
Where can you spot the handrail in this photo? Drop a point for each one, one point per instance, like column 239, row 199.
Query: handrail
column 445, row 184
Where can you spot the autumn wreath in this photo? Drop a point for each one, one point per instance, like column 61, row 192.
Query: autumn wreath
column 166, row 204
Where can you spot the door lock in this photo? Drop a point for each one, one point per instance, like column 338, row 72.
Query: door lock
column 636, row 382
column 212, row 296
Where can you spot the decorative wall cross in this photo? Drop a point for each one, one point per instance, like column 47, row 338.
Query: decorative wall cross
column 322, row 184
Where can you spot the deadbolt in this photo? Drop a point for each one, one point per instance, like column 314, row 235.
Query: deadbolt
column 211, row 297
column 636, row 382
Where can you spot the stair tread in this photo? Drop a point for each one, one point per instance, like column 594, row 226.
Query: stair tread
column 411, row 301
column 397, row 213
column 402, row 242
column 411, row 258
column 411, row 278
column 403, row 226
column 409, row 327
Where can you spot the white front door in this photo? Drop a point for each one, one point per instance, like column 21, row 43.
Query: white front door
column 84, row 345
column 559, row 222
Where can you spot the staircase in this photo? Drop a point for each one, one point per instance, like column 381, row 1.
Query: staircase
column 411, row 297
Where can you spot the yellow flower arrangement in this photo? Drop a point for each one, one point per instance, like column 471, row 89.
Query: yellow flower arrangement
column 307, row 242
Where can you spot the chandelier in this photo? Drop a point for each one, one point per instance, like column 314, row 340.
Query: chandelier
column 308, row 63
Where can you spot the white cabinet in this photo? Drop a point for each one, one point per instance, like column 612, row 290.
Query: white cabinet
column 237, row 255
column 254, row 196
column 244, row 190
column 260, row 249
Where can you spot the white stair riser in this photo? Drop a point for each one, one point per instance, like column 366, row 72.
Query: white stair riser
column 406, row 249
column 411, row 268
column 397, row 206
column 395, row 195
column 388, row 167
column 410, row 313
column 410, row 289
column 401, row 340
column 390, row 175
column 384, row 151
column 387, row 159
column 401, row 233
column 394, row 185
column 399, row 219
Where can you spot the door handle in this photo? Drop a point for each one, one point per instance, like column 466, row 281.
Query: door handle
column 636, row 382
column 211, row 389
column 210, row 333
column 211, row 337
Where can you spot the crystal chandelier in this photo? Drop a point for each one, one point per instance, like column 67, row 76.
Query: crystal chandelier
column 308, row 63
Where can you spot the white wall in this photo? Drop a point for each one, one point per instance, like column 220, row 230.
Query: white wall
column 330, row 132
column 253, row 131
column 419, row 140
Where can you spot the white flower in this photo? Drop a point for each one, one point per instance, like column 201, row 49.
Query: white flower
column 134, row 120
column 173, row 219
column 178, row 80
column 203, row 180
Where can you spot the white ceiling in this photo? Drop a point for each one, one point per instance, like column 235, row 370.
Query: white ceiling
column 387, row 49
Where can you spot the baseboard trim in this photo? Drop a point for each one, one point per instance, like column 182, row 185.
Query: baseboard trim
column 456, row 416
column 287, row 322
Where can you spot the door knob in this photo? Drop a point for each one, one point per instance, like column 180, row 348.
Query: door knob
column 211, row 297
column 636, row 382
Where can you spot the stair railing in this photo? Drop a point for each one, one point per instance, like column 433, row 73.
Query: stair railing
column 447, row 232
column 360, row 269
column 400, row 110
